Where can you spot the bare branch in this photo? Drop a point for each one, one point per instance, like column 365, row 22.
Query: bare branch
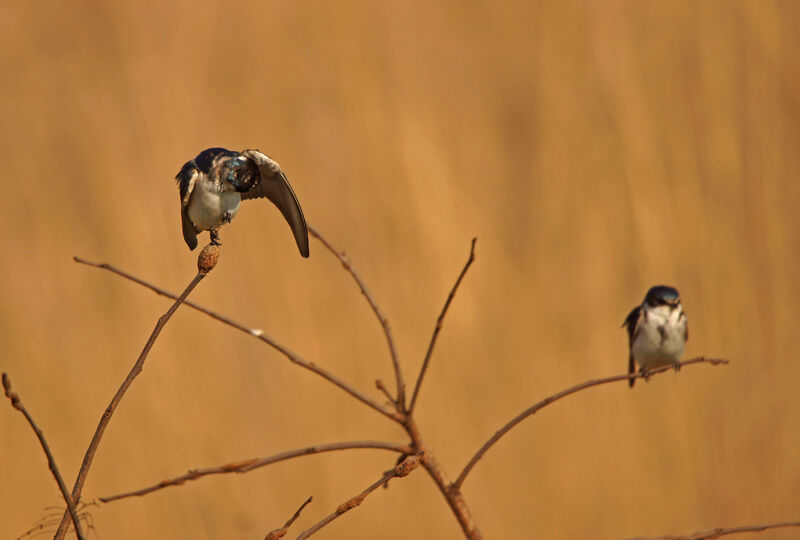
column 255, row 463
column 280, row 533
column 205, row 262
column 398, row 374
column 438, row 327
column 256, row 333
column 453, row 497
column 16, row 402
column 718, row 532
column 555, row 397
column 399, row 471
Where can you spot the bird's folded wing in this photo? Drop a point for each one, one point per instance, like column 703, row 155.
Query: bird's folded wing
column 189, row 230
column 275, row 187
column 186, row 178
column 630, row 323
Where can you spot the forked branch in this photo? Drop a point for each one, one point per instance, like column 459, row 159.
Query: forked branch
column 400, row 470
column 438, row 326
column 564, row 393
column 400, row 401
column 255, row 463
column 16, row 402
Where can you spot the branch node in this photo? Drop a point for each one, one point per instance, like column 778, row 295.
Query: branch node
column 407, row 465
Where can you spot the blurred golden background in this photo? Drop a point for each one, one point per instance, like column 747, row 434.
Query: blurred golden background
column 594, row 148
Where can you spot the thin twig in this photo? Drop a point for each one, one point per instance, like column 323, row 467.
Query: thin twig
column 438, row 327
column 280, row 533
column 53, row 518
column 255, row 463
column 716, row 533
column 402, row 469
column 256, row 333
column 555, row 397
column 135, row 370
column 16, row 402
column 382, row 387
column 400, row 403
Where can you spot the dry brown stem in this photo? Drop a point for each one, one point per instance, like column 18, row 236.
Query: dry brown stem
column 719, row 531
column 438, row 326
column 255, row 463
column 400, row 470
column 16, row 402
column 258, row 334
column 134, row 372
column 400, row 402
column 564, row 393
column 280, row 533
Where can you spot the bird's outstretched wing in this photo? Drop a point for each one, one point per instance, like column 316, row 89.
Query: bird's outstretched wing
column 630, row 325
column 186, row 178
column 274, row 186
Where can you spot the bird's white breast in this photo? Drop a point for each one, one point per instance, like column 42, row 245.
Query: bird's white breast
column 660, row 337
column 207, row 205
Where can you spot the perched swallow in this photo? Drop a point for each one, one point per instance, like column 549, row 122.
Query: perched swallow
column 657, row 331
column 212, row 185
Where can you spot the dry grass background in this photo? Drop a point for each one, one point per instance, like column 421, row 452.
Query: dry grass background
column 594, row 148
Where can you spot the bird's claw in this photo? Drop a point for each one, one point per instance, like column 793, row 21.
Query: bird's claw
column 226, row 217
column 215, row 241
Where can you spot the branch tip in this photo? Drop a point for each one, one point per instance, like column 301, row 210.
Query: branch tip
column 438, row 326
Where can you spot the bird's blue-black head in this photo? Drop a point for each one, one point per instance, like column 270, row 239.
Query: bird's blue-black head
column 662, row 295
column 240, row 172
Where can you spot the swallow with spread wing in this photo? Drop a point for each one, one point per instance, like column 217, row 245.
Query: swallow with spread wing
column 214, row 183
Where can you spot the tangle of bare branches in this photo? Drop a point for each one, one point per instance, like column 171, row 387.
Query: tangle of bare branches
column 412, row 454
